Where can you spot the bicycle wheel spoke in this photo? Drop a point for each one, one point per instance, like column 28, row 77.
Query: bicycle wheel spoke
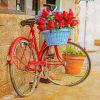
column 19, row 53
column 23, row 51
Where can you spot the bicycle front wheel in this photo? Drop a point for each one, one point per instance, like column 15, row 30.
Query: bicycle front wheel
column 23, row 80
column 63, row 72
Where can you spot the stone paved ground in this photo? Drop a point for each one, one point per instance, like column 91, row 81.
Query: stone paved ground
column 88, row 90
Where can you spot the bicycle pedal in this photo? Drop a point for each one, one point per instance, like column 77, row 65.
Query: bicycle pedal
column 50, row 56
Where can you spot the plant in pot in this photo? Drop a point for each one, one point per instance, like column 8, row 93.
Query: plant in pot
column 74, row 60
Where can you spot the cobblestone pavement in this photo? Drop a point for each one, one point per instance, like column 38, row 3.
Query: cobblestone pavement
column 88, row 90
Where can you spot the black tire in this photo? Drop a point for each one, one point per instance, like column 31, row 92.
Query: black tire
column 23, row 80
column 63, row 78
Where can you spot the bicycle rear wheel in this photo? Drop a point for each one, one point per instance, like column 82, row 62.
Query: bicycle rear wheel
column 56, row 71
column 23, row 80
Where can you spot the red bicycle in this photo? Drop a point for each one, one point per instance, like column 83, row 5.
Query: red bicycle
column 28, row 63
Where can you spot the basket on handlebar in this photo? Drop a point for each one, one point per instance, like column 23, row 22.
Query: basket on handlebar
column 57, row 37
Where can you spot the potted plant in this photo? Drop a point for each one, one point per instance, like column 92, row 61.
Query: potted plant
column 74, row 60
column 56, row 26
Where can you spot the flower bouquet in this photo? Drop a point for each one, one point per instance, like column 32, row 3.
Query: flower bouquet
column 56, row 26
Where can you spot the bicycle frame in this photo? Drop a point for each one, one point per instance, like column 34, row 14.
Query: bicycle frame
column 38, row 52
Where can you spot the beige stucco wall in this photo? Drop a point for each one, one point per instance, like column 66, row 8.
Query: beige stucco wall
column 67, row 4
column 9, row 29
column 93, row 25
column 96, row 23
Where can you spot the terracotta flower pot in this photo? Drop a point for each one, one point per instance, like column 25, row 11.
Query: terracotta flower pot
column 73, row 63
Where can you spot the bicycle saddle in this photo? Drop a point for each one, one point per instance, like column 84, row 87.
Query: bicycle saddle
column 28, row 22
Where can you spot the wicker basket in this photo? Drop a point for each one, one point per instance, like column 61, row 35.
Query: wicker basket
column 57, row 37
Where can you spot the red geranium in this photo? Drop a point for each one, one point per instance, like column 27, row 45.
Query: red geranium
column 66, row 23
column 65, row 14
column 41, row 27
column 70, row 15
column 45, row 13
column 51, row 24
column 47, row 27
column 56, row 16
column 69, row 21
column 74, row 23
column 56, row 20
column 56, row 24
column 61, row 23
column 41, row 21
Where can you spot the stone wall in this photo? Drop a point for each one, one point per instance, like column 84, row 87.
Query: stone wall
column 9, row 29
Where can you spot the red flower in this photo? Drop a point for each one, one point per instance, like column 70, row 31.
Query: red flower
column 41, row 27
column 56, row 16
column 60, row 15
column 51, row 24
column 56, row 20
column 74, row 23
column 66, row 23
column 61, row 23
column 45, row 13
column 65, row 14
column 69, row 21
column 41, row 21
column 71, row 13
column 56, row 23
column 48, row 28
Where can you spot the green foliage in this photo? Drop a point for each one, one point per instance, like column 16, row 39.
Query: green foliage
column 72, row 51
column 50, row 17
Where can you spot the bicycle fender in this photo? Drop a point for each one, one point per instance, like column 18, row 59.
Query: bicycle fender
column 11, row 50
